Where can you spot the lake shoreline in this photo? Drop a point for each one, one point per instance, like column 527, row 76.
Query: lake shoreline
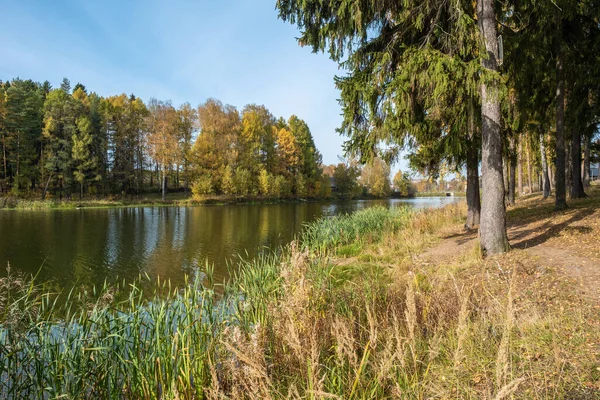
column 376, row 304
column 15, row 203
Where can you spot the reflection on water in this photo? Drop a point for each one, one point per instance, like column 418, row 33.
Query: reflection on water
column 89, row 246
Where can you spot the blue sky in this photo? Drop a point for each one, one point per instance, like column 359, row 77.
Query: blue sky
column 187, row 50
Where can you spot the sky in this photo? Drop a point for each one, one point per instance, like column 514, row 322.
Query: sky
column 236, row 51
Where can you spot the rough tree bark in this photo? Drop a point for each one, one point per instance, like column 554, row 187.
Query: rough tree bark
column 520, row 166
column 492, row 230
column 529, row 172
column 560, row 186
column 512, row 172
column 586, row 160
column 473, row 200
column 568, row 165
column 577, row 191
column 545, row 175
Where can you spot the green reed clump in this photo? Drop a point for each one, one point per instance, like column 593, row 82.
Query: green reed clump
column 132, row 348
column 329, row 233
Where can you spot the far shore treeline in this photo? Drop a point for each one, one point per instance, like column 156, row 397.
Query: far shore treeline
column 68, row 143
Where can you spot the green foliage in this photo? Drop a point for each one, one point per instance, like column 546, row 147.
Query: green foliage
column 228, row 186
column 243, row 182
column 265, row 182
column 375, row 177
column 20, row 126
column 402, row 184
column 401, row 59
column 202, row 186
column 300, row 186
column 324, row 187
column 345, row 177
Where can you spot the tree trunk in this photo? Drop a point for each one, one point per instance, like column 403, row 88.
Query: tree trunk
column 185, row 175
column 164, row 183
column 513, row 172
column 586, row 160
column 560, row 186
column 4, row 156
column 505, row 176
column 520, row 166
column 18, row 160
column 473, row 201
column 529, row 172
column 42, row 162
column 568, row 167
column 492, row 230
column 81, row 191
column 46, row 187
column 551, row 174
column 545, row 176
column 577, row 191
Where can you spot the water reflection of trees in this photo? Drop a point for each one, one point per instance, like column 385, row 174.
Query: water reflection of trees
column 89, row 246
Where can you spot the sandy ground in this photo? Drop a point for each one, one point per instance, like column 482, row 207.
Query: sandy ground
column 567, row 242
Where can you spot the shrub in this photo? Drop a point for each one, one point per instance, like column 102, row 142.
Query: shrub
column 202, row 186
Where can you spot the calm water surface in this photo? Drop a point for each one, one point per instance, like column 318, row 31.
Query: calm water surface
column 89, row 246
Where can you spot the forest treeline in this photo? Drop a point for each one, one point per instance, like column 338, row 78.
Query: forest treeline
column 64, row 142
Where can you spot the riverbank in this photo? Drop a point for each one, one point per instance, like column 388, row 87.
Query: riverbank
column 174, row 199
column 377, row 304
column 441, row 194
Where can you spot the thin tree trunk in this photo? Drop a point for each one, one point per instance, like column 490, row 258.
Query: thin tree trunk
column 529, row 172
column 18, row 160
column 42, row 162
column 185, row 175
column 46, row 187
column 568, row 167
column 4, row 156
column 158, row 179
column 164, row 183
column 560, row 187
column 520, row 166
column 492, row 230
column 513, row 172
column 473, row 200
column 505, row 175
column 545, row 176
column 577, row 191
column 586, row 160
column 552, row 177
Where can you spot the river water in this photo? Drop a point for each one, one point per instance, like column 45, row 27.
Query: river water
column 89, row 246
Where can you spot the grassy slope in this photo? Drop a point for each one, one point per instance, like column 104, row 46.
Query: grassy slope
column 351, row 311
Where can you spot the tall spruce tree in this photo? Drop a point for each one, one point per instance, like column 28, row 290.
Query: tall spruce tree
column 378, row 42
column 59, row 127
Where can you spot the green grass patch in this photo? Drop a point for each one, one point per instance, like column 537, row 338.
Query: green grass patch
column 349, row 250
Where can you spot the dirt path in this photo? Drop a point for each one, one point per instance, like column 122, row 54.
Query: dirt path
column 567, row 242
